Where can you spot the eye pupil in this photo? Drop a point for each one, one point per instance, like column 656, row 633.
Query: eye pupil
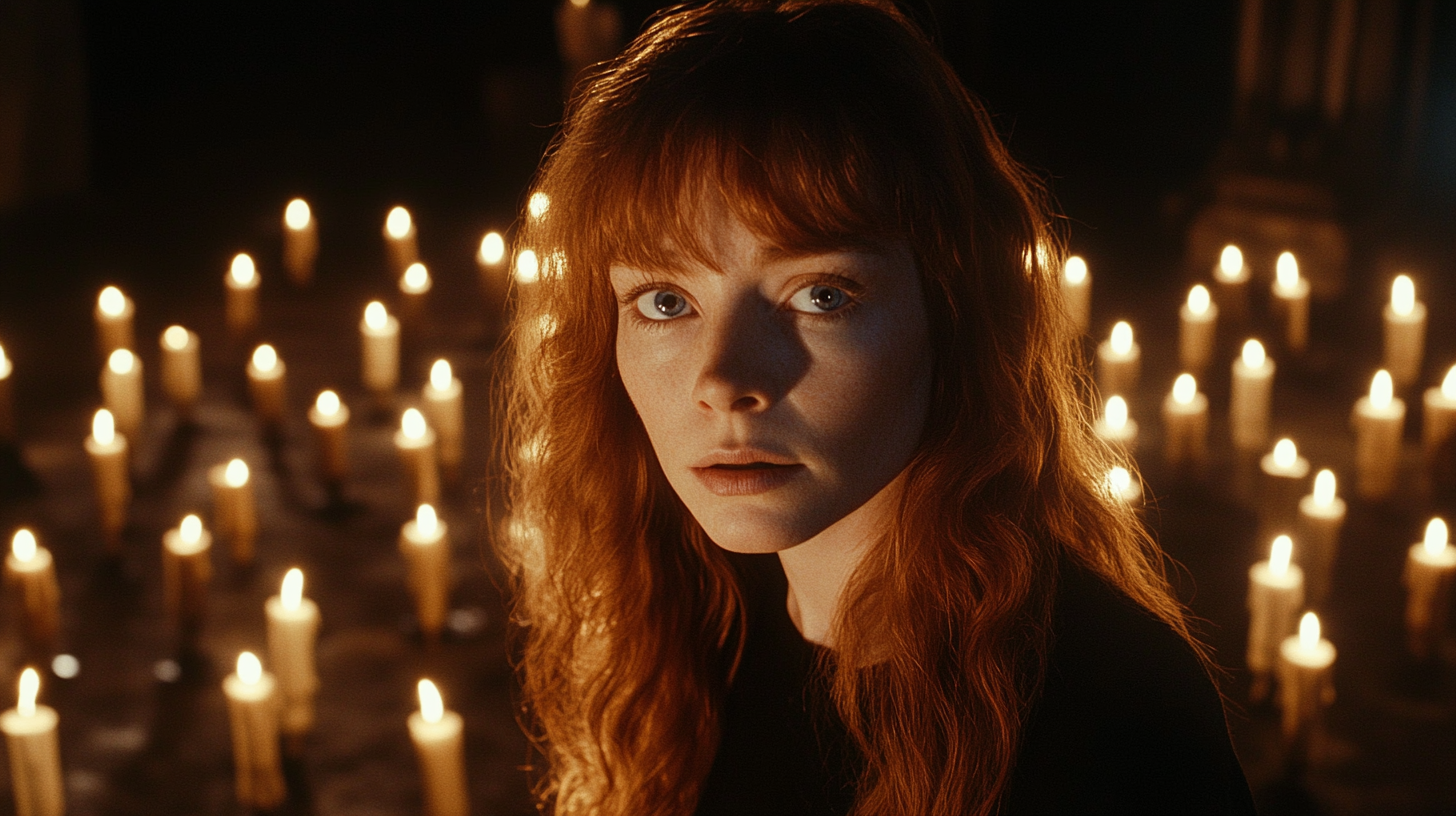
column 826, row 297
column 668, row 303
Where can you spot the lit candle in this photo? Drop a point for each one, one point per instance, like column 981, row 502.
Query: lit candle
column 399, row 235
column 1379, row 417
column 7, row 405
column 121, row 391
column 242, row 295
column 414, row 287
column 1114, row 426
column 267, row 385
column 114, row 313
column 491, row 254
column 1077, row 293
column 379, row 336
column 31, row 573
column 415, row 441
column 1405, row 332
column 253, row 714
column 586, row 33
column 330, row 420
column 1197, row 329
column 234, row 509
column 1439, row 419
column 425, row 545
column 1120, row 484
column 1321, row 515
column 1291, row 301
column 1276, row 593
column 438, row 736
column 293, row 622
column 1253, row 383
column 1429, row 569
column 528, row 267
column 35, row 755
column 1231, row 280
column 1185, row 423
column 1118, row 361
column 186, row 572
column 300, row 241
column 107, row 450
column 445, row 413
column 181, row 368
column 1306, row 681
column 1283, row 473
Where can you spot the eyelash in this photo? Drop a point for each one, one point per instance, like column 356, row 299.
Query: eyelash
column 851, row 289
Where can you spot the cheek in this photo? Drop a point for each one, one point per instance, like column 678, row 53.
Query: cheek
column 872, row 392
column 647, row 370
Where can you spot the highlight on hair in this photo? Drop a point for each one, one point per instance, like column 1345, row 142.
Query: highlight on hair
column 820, row 125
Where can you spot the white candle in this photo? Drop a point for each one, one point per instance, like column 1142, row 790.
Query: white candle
column 1231, row 281
column 1291, row 301
column 35, row 755
column 234, row 509
column 1120, row 484
column 266, row 383
column 1253, row 383
column 415, row 441
column 1430, row 567
column 425, row 545
column 1119, row 360
column 445, row 412
column 300, row 241
column 242, row 295
column 293, row 622
column 1321, row 516
column 438, row 737
column 181, row 368
column 114, row 313
column 379, row 337
column 7, row 405
column 1439, row 419
column 1185, row 423
column 330, row 420
column 253, row 714
column 1276, row 593
column 31, row 573
column 121, row 391
column 186, row 573
column 1405, row 332
column 107, row 450
column 414, row 287
column 1077, row 293
column 1305, row 680
column 399, row 236
column 1197, row 330
column 1283, row 472
column 489, row 259
column 1379, row 417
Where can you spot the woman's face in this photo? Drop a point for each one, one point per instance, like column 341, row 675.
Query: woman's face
column 781, row 390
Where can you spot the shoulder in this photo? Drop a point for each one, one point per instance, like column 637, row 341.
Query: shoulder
column 1128, row 719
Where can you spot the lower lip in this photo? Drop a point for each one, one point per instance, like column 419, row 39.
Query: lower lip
column 746, row 481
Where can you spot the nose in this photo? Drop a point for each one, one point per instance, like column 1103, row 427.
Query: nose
column 748, row 358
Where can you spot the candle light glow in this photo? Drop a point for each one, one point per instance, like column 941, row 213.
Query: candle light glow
column 1448, row 385
column 1382, row 390
column 416, row 279
column 4, row 364
column 327, row 403
column 1403, row 295
column 29, row 691
column 1280, row 553
column 1324, row 488
column 297, row 214
column 1309, row 631
column 440, row 375
column 376, row 317
column 1075, row 270
column 1122, row 337
column 492, row 248
column 236, row 474
column 1185, row 388
column 190, row 530
column 432, row 706
column 398, row 223
column 1286, row 271
column 23, row 545
column 528, row 267
column 1285, row 453
column 538, row 204
column 111, row 302
column 1231, row 263
column 1115, row 414
column 413, row 423
column 1253, row 354
column 250, row 669
column 175, row 337
column 291, row 593
column 121, row 361
column 1118, row 480
column 1437, row 537
column 426, row 520
column 1199, row 300
column 103, row 427
column 243, row 271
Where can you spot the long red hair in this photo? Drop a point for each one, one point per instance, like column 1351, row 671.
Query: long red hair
column 822, row 125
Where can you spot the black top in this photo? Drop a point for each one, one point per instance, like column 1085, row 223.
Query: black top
column 1128, row 720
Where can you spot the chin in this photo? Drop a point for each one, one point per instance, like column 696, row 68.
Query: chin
column 753, row 531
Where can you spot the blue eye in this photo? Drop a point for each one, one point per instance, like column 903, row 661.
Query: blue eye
column 662, row 304
column 819, row 298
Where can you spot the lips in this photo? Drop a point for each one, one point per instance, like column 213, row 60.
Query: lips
column 744, row 471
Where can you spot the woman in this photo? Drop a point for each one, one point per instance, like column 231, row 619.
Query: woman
column 807, row 513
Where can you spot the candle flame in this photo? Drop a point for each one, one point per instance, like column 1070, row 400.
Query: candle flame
column 236, row 474
column 111, row 302
column 190, row 530
column 1075, row 270
column 297, row 214
column 1382, row 390
column 432, row 707
column 1402, row 295
column 426, row 520
column 265, row 358
column 376, row 316
column 290, row 595
column 327, row 403
column 415, row 279
column 440, row 375
column 1309, row 631
column 23, row 545
column 1118, row 481
column 413, row 423
column 1436, row 536
column 250, row 668
column 1198, row 300
column 1448, row 385
column 492, row 248
column 1185, row 388
column 4, row 364
column 538, row 204
column 581, row 3
column 29, row 690
column 1324, row 488
column 243, row 271
column 1115, row 414
column 1231, row 263
column 1122, row 337
column 1286, row 271
column 1279, row 555
column 103, row 427
column 398, row 223
column 121, row 361
column 175, row 338
column 1253, row 354
column 1285, row 453
column 528, row 268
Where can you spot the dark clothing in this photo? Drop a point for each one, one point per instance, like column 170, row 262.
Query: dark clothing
column 1128, row 721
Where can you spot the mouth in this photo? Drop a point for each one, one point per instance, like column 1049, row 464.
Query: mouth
column 746, row 478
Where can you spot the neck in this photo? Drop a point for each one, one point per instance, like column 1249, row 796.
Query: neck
column 819, row 569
